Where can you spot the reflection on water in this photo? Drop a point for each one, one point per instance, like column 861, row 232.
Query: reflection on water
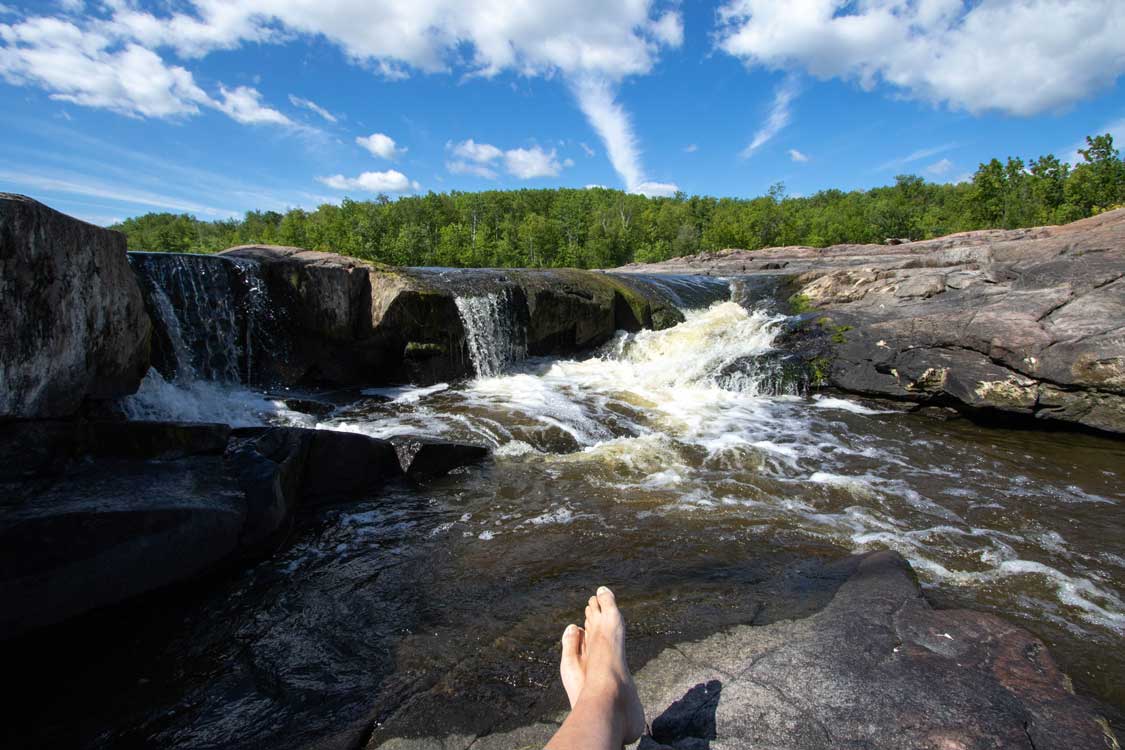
column 661, row 466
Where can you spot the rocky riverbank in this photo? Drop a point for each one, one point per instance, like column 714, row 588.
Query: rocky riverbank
column 877, row 668
column 1026, row 324
column 338, row 591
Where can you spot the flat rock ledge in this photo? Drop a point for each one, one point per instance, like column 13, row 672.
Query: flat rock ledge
column 876, row 669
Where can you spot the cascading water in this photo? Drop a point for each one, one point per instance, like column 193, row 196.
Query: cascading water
column 493, row 334
column 214, row 324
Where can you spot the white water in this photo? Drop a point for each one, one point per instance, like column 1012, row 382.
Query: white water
column 655, row 421
column 495, row 339
column 655, row 425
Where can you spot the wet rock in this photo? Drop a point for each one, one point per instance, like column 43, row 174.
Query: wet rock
column 309, row 406
column 110, row 530
column 92, row 514
column 910, row 676
column 426, row 457
column 73, row 324
column 346, row 465
column 1027, row 323
column 39, row 448
column 269, row 470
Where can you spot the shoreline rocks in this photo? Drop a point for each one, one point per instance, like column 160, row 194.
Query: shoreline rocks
column 73, row 325
column 876, row 668
column 1025, row 324
column 97, row 513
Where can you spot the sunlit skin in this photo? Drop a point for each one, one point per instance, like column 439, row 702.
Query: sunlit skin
column 606, row 712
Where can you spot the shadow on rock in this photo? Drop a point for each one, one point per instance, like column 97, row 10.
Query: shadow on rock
column 689, row 723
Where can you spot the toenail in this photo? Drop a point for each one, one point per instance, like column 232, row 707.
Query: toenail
column 604, row 590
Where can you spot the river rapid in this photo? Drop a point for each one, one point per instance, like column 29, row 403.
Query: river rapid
column 667, row 465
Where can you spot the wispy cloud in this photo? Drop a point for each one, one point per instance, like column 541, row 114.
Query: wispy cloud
column 78, row 185
column 797, row 156
column 913, row 156
column 614, row 126
column 778, row 117
column 939, row 167
column 312, row 106
column 691, row 148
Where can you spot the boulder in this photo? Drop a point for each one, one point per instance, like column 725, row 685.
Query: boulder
column 427, row 457
column 40, row 448
column 347, row 465
column 73, row 324
column 269, row 471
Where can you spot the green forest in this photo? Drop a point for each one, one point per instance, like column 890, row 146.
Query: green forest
column 602, row 228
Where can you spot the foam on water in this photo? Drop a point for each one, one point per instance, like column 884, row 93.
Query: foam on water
column 655, row 418
column 204, row 401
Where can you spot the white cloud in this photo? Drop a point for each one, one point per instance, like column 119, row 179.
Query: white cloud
column 939, row 167
column 470, row 150
column 92, row 69
column 669, row 29
column 526, row 163
column 381, row 146
column 691, row 148
column 391, row 181
column 585, row 147
column 312, row 106
column 913, row 156
column 87, row 69
column 1015, row 56
column 244, row 104
column 655, row 189
column 481, row 159
column 778, row 117
column 797, row 156
column 578, row 40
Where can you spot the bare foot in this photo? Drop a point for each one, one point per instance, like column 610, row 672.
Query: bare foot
column 607, row 673
column 573, row 664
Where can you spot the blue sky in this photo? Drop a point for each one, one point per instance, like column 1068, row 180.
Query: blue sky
column 114, row 108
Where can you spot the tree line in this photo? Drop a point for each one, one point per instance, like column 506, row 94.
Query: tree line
column 601, row 228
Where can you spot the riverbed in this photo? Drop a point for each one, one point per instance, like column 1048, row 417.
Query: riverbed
column 665, row 465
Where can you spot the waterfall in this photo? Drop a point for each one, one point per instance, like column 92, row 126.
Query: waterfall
column 211, row 315
column 493, row 333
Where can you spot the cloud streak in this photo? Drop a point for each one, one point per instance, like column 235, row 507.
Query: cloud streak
column 778, row 118
column 596, row 99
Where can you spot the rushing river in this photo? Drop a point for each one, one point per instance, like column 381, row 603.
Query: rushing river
column 661, row 465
